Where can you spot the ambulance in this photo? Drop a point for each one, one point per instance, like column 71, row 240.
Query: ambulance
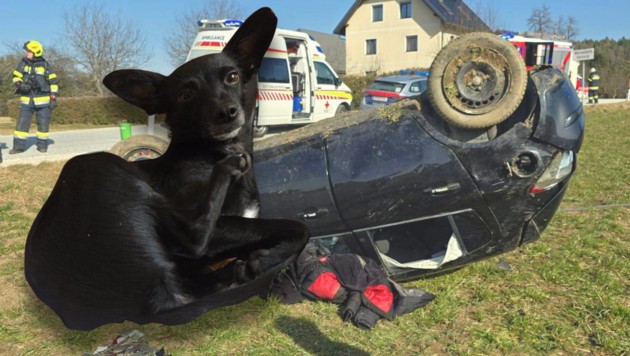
column 536, row 52
column 296, row 85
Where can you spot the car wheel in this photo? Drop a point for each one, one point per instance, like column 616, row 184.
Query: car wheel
column 260, row 131
column 477, row 81
column 141, row 147
column 341, row 109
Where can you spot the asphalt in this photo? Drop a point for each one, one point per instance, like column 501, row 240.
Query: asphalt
column 64, row 145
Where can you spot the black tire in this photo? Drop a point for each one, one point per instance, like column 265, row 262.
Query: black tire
column 140, row 147
column 477, row 81
column 341, row 109
column 260, row 131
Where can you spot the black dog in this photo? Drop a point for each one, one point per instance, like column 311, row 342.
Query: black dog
column 137, row 241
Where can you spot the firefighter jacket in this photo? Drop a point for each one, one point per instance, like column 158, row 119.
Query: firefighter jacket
column 39, row 75
column 593, row 81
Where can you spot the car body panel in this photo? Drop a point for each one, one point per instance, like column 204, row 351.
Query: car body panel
column 296, row 186
column 561, row 121
column 403, row 188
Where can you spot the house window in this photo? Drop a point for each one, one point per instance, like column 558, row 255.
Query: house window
column 412, row 43
column 405, row 10
column 377, row 13
column 370, row 46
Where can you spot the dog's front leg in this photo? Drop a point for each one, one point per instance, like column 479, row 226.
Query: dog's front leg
column 258, row 244
column 191, row 232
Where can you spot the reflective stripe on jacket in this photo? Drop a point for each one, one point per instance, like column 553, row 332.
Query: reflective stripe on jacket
column 593, row 81
column 40, row 76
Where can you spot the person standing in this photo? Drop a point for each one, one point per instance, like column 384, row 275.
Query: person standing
column 593, row 86
column 37, row 84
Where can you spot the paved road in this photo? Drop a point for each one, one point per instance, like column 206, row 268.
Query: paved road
column 67, row 144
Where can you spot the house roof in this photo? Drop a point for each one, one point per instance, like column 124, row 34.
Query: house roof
column 452, row 12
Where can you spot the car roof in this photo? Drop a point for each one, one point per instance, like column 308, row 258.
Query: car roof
column 401, row 78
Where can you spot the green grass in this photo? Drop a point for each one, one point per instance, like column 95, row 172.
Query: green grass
column 567, row 293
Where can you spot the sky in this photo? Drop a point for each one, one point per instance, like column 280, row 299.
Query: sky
column 42, row 20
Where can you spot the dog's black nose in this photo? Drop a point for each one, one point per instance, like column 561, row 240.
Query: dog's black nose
column 232, row 112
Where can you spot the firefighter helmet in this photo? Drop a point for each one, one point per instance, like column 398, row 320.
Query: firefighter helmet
column 35, row 47
column 593, row 70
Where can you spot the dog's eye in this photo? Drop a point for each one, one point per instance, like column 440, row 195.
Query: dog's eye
column 232, row 78
column 185, row 94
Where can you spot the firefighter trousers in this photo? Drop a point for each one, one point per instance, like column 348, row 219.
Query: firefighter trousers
column 592, row 96
column 42, row 114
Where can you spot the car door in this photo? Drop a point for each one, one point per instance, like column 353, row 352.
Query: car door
column 405, row 194
column 293, row 184
column 327, row 98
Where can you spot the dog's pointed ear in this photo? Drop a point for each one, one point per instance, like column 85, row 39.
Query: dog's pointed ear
column 138, row 87
column 251, row 41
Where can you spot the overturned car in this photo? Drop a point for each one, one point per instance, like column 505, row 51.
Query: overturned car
column 477, row 169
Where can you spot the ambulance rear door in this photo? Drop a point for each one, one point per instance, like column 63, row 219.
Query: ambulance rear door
column 275, row 91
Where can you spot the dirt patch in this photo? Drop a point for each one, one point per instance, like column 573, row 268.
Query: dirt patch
column 327, row 127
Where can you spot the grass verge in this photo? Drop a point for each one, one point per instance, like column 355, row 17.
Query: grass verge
column 567, row 293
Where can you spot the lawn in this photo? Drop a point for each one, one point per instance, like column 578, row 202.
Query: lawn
column 568, row 293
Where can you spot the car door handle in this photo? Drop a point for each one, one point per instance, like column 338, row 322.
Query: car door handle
column 313, row 213
column 444, row 189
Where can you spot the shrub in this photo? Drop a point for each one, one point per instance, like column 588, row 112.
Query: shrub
column 93, row 110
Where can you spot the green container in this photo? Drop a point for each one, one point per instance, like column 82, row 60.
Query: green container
column 125, row 130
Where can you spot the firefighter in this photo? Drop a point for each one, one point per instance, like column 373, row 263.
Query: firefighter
column 37, row 85
column 593, row 86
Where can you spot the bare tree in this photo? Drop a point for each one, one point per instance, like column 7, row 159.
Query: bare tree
column 180, row 40
column 558, row 26
column 540, row 20
column 570, row 29
column 487, row 13
column 101, row 42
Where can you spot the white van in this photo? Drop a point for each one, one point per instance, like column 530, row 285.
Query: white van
column 296, row 85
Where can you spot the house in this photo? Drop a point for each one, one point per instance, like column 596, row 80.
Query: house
column 384, row 36
column 334, row 48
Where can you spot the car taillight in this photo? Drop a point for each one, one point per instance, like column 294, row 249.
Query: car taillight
column 560, row 168
column 381, row 96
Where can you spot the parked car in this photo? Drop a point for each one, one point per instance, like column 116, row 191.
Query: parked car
column 420, row 193
column 388, row 90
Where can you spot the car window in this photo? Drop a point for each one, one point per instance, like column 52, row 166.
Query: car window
column 387, row 86
column 324, row 74
column 273, row 70
column 418, row 86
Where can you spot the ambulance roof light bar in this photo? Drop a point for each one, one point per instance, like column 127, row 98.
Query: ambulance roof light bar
column 207, row 24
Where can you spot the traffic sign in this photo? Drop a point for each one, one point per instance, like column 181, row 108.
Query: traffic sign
column 584, row 54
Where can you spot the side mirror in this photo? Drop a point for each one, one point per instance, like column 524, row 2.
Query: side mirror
column 338, row 82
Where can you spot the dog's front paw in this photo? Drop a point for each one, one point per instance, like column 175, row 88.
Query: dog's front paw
column 256, row 264
column 242, row 272
column 236, row 163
